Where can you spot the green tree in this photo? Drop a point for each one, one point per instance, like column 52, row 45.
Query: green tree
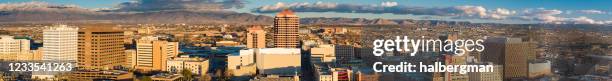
column 187, row 74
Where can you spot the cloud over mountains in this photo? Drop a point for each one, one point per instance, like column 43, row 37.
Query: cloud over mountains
column 454, row 12
column 45, row 11
column 162, row 5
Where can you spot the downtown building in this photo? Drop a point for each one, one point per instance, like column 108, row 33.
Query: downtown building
column 324, row 53
column 512, row 53
column 12, row 48
column 286, row 27
column 194, row 64
column 60, row 43
column 242, row 63
column 10, row 45
column 278, row 61
column 152, row 54
column 100, row 48
column 256, row 37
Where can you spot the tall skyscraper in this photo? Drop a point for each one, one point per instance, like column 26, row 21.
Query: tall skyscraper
column 286, row 26
column 10, row 45
column 512, row 53
column 256, row 37
column 153, row 54
column 60, row 43
column 100, row 48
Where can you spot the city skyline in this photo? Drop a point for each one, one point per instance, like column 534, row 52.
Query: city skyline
column 299, row 40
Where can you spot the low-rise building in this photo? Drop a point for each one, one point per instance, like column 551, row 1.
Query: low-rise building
column 243, row 63
column 167, row 77
column 94, row 75
column 281, row 61
column 194, row 64
column 276, row 78
column 323, row 53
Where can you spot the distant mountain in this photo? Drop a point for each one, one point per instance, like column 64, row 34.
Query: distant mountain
column 80, row 15
column 202, row 17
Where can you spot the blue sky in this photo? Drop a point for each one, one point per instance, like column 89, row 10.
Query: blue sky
column 567, row 7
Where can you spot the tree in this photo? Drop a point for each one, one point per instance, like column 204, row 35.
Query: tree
column 187, row 74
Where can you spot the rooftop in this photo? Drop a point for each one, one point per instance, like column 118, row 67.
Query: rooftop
column 284, row 13
column 279, row 51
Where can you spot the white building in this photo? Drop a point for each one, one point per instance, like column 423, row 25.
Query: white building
column 9, row 45
column 60, row 43
column 243, row 63
column 195, row 65
column 323, row 53
column 281, row 61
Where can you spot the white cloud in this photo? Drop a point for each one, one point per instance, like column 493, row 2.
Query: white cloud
column 501, row 13
column 388, row 4
column 553, row 17
column 590, row 12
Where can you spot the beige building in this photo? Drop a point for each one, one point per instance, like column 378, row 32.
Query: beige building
column 22, row 57
column 17, row 49
column 281, row 61
column 243, row 63
column 100, row 48
column 193, row 64
column 513, row 53
column 130, row 59
column 323, row 53
column 256, row 37
column 152, row 54
column 10, row 45
column 226, row 43
column 286, row 26
column 496, row 75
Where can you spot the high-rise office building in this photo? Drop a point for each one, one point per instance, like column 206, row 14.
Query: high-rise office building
column 344, row 54
column 256, row 37
column 286, row 26
column 100, row 48
column 152, row 54
column 512, row 53
column 60, row 43
column 10, row 45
